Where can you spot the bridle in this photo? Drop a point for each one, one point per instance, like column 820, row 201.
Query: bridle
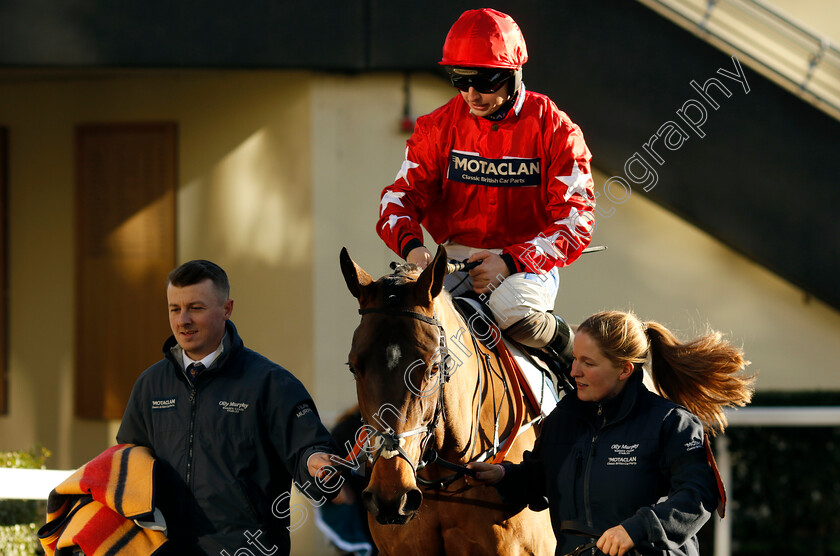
column 389, row 440
column 389, row 444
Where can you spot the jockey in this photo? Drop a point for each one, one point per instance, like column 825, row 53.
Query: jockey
column 500, row 176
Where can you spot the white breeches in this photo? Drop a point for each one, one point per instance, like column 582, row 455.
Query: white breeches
column 518, row 296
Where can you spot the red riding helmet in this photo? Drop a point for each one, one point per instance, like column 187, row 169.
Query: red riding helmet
column 485, row 38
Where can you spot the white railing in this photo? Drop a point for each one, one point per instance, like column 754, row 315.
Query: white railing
column 761, row 417
column 772, row 43
column 30, row 484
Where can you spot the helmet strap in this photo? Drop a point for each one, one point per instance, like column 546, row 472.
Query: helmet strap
column 517, row 81
column 503, row 109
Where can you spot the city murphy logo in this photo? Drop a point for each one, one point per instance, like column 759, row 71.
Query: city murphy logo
column 501, row 172
column 233, row 407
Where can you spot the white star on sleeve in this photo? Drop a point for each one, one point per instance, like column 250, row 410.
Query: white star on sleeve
column 576, row 182
column 393, row 219
column 391, row 197
column 406, row 166
column 576, row 219
column 545, row 245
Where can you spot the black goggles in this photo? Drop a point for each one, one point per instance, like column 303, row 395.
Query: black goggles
column 483, row 81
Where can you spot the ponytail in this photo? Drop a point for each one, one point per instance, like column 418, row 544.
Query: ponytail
column 701, row 375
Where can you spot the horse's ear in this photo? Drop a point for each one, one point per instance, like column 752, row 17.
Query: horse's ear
column 354, row 275
column 431, row 279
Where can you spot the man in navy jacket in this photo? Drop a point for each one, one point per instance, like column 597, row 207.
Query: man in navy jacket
column 230, row 429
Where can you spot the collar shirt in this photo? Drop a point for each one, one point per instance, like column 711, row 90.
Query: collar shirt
column 207, row 360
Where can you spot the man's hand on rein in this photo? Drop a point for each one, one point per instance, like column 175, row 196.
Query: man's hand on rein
column 490, row 272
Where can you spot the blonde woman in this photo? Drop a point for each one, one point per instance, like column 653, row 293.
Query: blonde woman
column 617, row 462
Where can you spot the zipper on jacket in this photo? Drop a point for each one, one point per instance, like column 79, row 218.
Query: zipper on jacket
column 578, row 478
column 586, row 478
column 587, row 475
column 191, row 437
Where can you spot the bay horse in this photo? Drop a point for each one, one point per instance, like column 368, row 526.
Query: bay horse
column 433, row 400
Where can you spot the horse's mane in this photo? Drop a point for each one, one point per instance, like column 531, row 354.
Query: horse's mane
column 404, row 269
column 407, row 272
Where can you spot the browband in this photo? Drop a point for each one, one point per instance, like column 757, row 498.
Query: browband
column 400, row 313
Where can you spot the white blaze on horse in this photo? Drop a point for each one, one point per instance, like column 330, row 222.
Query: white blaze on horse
column 433, row 399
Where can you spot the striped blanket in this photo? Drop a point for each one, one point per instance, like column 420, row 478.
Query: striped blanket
column 95, row 508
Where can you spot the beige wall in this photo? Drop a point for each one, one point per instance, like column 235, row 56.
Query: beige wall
column 246, row 201
column 278, row 171
column 358, row 148
column 820, row 16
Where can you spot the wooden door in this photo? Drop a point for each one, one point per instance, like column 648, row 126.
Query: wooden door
column 126, row 178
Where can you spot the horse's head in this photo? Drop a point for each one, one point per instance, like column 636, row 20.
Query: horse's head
column 397, row 361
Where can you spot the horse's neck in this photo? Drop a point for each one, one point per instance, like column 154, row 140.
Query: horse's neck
column 462, row 397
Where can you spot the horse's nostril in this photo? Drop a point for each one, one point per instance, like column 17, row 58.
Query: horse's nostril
column 413, row 499
column 369, row 502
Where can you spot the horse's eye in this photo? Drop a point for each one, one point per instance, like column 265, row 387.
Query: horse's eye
column 350, row 367
column 434, row 369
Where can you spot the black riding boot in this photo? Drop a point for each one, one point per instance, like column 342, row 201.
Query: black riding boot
column 558, row 355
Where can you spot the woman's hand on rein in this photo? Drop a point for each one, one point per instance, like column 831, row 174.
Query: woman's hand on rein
column 488, row 473
column 615, row 541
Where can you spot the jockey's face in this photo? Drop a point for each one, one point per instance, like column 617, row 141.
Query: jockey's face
column 484, row 104
column 596, row 377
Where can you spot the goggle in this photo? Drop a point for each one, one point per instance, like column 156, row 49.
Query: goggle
column 483, row 81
